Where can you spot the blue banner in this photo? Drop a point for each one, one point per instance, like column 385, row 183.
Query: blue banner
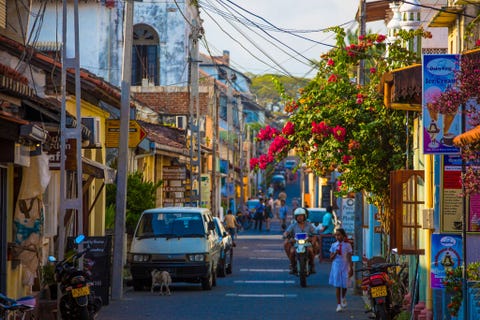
column 439, row 129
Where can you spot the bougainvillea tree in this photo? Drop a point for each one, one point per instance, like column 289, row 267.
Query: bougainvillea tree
column 336, row 124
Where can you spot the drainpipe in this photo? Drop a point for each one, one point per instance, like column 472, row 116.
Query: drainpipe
column 428, row 232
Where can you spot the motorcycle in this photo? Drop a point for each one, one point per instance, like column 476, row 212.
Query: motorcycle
column 78, row 301
column 377, row 283
column 301, row 256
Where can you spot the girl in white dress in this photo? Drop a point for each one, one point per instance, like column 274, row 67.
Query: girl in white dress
column 342, row 267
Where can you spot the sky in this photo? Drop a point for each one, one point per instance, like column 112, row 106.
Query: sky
column 261, row 47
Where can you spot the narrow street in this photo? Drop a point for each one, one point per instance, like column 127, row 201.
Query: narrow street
column 260, row 287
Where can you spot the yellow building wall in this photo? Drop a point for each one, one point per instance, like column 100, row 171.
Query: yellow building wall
column 96, row 222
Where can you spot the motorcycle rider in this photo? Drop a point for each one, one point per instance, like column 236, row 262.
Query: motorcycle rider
column 300, row 225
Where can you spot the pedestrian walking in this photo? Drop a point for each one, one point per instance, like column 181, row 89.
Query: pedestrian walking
column 268, row 213
column 231, row 224
column 342, row 267
column 282, row 213
column 259, row 215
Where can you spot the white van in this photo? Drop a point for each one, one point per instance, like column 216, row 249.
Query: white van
column 180, row 240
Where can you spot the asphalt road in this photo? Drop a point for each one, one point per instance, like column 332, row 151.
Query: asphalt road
column 259, row 288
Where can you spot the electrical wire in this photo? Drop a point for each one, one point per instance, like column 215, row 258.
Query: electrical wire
column 275, row 45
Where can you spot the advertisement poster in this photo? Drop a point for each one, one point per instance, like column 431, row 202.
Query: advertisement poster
column 452, row 200
column 348, row 216
column 439, row 129
column 446, row 255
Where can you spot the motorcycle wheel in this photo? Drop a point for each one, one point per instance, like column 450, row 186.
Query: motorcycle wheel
column 381, row 312
column 83, row 313
column 303, row 271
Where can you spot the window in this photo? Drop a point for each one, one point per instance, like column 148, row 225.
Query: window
column 145, row 57
column 407, row 196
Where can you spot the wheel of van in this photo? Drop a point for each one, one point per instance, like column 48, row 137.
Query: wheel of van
column 207, row 282
column 137, row 285
column 230, row 265
column 214, row 278
column 222, row 267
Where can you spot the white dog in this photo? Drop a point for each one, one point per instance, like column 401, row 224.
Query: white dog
column 162, row 279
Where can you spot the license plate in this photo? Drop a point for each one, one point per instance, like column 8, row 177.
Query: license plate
column 380, row 291
column 80, row 292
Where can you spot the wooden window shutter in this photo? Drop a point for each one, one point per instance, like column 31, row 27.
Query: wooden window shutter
column 407, row 202
column 3, row 14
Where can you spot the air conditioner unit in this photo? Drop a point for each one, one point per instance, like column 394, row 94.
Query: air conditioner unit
column 181, row 122
column 93, row 124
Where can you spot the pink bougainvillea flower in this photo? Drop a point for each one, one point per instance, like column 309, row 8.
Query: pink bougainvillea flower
column 373, row 70
column 339, row 133
column 263, row 161
column 333, row 78
column 359, row 98
column 352, row 145
column 320, row 128
column 267, row 133
column 253, row 163
column 289, row 128
column 346, row 159
column 278, row 145
column 361, row 37
column 381, row 38
column 330, row 62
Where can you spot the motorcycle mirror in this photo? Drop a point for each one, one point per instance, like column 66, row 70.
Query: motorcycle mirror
column 355, row 258
column 52, row 259
column 79, row 239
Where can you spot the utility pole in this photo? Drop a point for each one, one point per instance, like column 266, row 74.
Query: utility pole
column 358, row 247
column 71, row 194
column 213, row 195
column 194, row 106
column 240, row 148
column 121, row 200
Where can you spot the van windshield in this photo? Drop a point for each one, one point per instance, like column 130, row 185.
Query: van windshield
column 170, row 225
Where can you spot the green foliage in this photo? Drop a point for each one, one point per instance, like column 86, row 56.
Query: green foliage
column 141, row 195
column 264, row 88
column 336, row 124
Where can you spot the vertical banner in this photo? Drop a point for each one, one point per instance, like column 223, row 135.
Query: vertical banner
column 439, row 129
column 446, row 255
column 452, row 200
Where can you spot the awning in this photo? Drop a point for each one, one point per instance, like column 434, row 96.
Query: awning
column 446, row 17
column 98, row 170
column 402, row 88
column 375, row 11
column 468, row 137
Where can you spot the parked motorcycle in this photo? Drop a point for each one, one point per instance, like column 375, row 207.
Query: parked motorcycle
column 377, row 283
column 78, row 301
column 301, row 256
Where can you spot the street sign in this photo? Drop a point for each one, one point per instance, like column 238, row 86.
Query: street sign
column 135, row 133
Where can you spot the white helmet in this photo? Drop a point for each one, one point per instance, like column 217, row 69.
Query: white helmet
column 299, row 211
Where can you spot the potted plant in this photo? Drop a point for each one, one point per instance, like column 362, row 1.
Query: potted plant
column 47, row 280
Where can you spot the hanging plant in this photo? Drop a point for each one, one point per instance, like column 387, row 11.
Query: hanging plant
column 453, row 283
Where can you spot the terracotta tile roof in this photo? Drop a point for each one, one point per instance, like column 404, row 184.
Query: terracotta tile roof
column 166, row 136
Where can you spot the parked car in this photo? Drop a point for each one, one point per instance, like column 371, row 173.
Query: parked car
column 180, row 240
column 226, row 254
column 278, row 182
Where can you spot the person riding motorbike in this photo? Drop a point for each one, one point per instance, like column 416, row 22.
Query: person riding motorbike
column 299, row 225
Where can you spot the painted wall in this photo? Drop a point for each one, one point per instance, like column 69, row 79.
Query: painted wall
column 101, row 36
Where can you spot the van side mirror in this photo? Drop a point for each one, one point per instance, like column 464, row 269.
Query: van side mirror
column 211, row 225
